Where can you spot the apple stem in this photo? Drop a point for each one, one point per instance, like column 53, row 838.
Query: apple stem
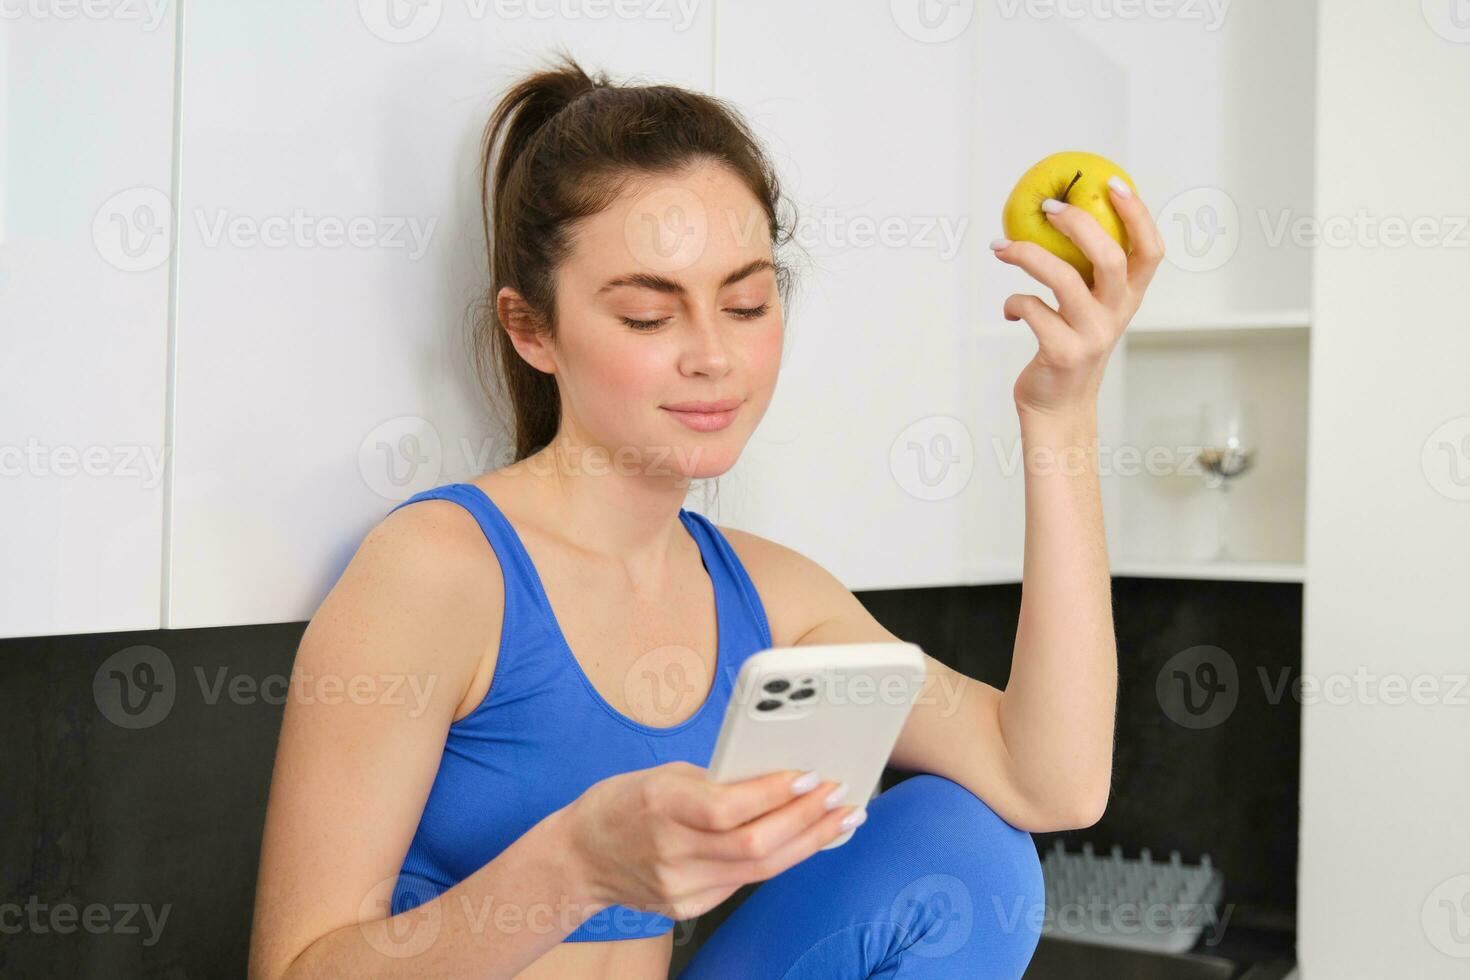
column 1071, row 185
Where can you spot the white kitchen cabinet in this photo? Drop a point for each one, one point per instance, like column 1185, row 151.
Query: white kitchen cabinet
column 86, row 137
column 320, row 381
column 886, row 454
column 317, row 385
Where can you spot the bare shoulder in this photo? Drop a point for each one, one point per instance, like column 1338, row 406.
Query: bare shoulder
column 425, row 577
column 797, row 592
column 430, row 546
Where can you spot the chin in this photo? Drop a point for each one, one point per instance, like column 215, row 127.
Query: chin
column 693, row 455
column 700, row 458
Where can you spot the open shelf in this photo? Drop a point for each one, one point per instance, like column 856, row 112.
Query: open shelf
column 1152, row 330
column 1237, row 571
column 1167, row 373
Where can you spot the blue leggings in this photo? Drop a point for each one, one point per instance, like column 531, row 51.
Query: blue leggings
column 933, row 884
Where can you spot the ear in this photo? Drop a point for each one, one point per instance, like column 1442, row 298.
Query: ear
column 523, row 326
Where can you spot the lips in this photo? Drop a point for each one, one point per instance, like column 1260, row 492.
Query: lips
column 704, row 407
column 705, row 416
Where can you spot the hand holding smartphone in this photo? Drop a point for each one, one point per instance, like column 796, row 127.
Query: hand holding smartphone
column 836, row 710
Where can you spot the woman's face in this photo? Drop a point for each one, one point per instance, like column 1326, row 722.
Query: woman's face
column 668, row 300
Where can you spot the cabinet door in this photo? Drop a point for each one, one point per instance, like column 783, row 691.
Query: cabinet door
column 322, row 372
column 1042, row 88
column 86, row 112
column 887, row 454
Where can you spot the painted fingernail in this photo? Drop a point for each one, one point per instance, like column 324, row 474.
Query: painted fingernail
column 806, row 782
column 836, row 796
column 1000, row 243
column 854, row 818
column 1051, row 205
column 1120, row 185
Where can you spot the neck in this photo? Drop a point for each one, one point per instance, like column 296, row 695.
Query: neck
column 623, row 505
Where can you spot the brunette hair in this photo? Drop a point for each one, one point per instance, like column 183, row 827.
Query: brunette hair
column 568, row 144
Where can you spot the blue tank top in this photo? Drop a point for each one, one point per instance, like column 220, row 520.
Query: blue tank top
column 543, row 734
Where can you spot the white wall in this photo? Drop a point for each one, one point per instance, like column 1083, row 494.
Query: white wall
column 320, row 383
column 86, row 130
column 1385, row 849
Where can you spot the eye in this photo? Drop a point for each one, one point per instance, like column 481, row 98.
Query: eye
column 751, row 312
column 645, row 324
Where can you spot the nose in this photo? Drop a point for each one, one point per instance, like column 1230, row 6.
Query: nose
column 704, row 346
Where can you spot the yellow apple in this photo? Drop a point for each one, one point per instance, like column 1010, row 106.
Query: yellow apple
column 1078, row 178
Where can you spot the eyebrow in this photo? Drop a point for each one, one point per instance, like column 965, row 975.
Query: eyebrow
column 663, row 284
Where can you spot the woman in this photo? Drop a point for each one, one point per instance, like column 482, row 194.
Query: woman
column 540, row 811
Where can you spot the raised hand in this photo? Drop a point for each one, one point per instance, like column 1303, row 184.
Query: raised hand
column 1077, row 336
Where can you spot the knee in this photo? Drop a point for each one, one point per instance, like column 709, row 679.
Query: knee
column 970, row 868
column 953, row 816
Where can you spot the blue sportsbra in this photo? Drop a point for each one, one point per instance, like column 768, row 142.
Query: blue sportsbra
column 543, row 734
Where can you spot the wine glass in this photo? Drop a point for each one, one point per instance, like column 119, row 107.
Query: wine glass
column 1228, row 432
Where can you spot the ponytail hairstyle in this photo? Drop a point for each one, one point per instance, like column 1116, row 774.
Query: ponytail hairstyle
column 568, row 145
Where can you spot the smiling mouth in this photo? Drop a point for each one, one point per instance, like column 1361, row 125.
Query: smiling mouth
column 723, row 405
column 705, row 416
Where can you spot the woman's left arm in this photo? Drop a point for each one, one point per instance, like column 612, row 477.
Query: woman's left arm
column 1056, row 715
column 1039, row 752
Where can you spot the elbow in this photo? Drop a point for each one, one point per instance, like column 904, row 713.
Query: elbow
column 1077, row 814
column 1087, row 804
column 272, row 964
column 1087, row 812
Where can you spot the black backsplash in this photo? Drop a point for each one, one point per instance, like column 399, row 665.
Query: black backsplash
column 1199, row 776
column 166, row 820
column 167, row 817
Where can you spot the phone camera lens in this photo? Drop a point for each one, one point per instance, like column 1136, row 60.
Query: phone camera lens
column 802, row 694
column 769, row 704
column 776, row 686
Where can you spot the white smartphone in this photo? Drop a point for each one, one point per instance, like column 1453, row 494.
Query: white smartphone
column 835, row 709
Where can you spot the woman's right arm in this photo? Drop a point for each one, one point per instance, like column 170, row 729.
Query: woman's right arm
column 381, row 673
